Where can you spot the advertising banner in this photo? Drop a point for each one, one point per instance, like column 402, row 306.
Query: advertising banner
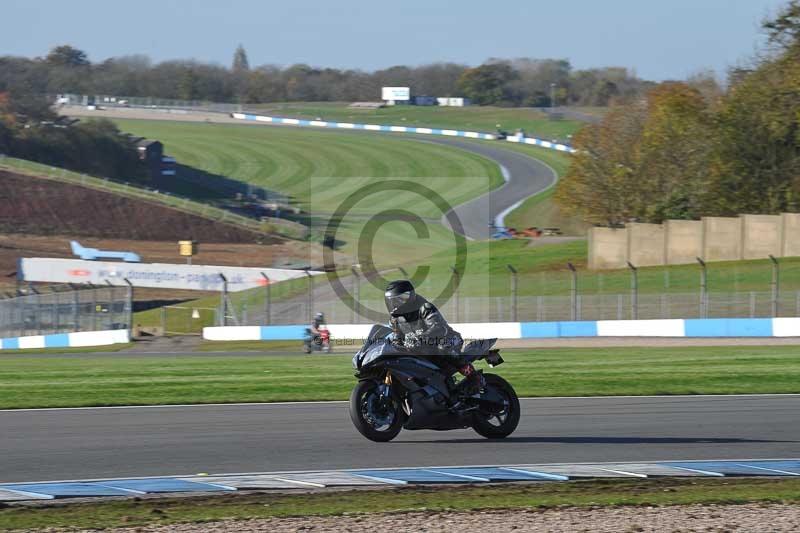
column 153, row 275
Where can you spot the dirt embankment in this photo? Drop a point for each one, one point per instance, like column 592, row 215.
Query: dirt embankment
column 46, row 207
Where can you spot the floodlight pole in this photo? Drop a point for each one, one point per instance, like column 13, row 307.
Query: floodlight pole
column 703, row 288
column 267, row 299
column 634, row 291
column 514, row 300
column 775, row 284
column 573, row 292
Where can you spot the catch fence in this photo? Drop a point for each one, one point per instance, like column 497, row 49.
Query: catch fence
column 64, row 309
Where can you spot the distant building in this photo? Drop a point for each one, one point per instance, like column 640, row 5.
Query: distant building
column 152, row 153
column 423, row 100
column 453, row 101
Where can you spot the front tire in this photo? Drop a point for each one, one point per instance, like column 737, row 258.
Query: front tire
column 371, row 415
column 502, row 424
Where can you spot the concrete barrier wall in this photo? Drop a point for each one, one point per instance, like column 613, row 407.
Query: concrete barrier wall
column 761, row 236
column 722, row 239
column 680, row 242
column 645, row 244
column 683, row 241
column 706, row 327
column 608, row 248
column 67, row 340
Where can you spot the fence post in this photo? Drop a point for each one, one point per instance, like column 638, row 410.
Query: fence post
column 456, row 281
column 703, row 289
column 224, row 300
column 634, row 291
column 94, row 309
column 514, row 300
column 310, row 295
column 267, row 299
column 356, row 291
column 129, row 306
column 76, row 309
column 775, row 284
column 573, row 292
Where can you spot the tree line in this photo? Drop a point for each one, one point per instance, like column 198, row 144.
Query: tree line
column 29, row 129
column 516, row 82
column 691, row 149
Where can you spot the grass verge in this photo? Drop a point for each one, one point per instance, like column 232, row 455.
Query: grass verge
column 147, row 380
column 57, row 351
column 165, row 511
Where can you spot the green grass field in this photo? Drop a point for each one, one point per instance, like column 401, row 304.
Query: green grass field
column 132, row 380
column 471, row 118
column 319, row 169
column 162, row 512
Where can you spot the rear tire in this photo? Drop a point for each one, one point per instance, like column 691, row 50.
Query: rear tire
column 498, row 426
column 370, row 417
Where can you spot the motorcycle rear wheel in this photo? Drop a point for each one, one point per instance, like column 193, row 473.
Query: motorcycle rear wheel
column 371, row 417
column 501, row 425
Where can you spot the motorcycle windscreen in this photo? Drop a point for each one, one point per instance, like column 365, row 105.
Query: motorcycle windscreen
column 377, row 338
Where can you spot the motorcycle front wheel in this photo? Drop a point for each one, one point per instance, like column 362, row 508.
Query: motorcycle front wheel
column 377, row 418
column 501, row 424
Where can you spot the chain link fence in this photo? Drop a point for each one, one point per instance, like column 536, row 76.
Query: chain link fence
column 754, row 290
column 64, row 310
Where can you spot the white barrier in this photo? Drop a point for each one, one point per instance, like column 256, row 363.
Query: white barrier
column 702, row 327
column 67, row 340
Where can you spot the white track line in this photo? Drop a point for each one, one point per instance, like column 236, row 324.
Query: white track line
column 323, row 402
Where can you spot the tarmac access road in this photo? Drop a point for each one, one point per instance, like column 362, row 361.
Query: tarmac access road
column 59, row 444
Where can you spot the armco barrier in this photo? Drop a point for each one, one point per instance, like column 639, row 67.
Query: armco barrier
column 542, row 143
column 708, row 327
column 67, row 340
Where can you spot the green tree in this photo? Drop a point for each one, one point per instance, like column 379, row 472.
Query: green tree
column 485, row 84
column 676, row 147
column 240, row 62
column 602, row 185
column 67, row 56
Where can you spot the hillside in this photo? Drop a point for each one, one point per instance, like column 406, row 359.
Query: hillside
column 44, row 207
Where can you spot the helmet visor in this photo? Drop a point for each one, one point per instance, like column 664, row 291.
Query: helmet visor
column 397, row 301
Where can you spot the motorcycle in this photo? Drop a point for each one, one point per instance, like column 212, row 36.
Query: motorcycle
column 321, row 342
column 399, row 389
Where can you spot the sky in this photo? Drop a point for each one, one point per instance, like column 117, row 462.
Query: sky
column 659, row 39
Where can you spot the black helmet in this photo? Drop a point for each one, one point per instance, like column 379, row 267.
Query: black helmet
column 320, row 317
column 400, row 297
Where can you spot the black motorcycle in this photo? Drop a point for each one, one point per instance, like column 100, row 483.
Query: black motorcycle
column 398, row 388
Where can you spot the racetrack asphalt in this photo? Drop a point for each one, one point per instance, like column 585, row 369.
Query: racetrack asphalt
column 525, row 176
column 58, row 444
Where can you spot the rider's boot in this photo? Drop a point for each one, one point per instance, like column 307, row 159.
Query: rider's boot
column 473, row 382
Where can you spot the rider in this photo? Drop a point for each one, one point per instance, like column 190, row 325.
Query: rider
column 319, row 321
column 417, row 323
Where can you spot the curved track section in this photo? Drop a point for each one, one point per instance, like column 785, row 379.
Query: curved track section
column 149, row 441
column 524, row 175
